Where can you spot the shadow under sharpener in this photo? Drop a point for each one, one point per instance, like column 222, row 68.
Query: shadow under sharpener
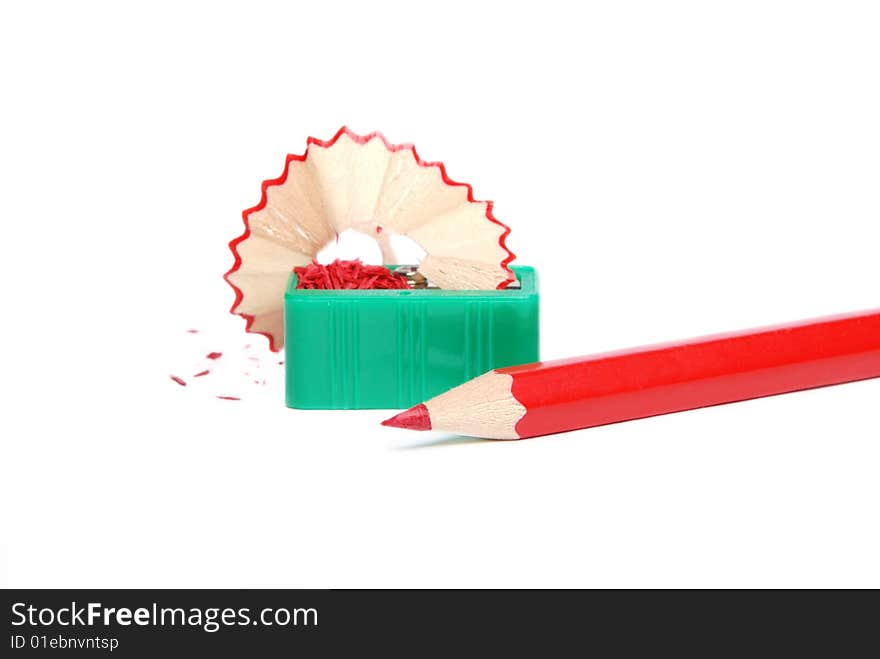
column 383, row 349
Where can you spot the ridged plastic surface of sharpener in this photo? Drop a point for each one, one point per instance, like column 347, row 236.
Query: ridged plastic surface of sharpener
column 378, row 349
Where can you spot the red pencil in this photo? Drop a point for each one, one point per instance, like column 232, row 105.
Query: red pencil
column 556, row 396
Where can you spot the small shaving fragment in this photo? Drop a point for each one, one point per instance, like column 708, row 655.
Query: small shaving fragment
column 240, row 370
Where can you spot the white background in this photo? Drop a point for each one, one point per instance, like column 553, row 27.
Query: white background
column 672, row 169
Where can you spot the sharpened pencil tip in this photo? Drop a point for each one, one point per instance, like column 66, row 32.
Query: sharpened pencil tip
column 415, row 418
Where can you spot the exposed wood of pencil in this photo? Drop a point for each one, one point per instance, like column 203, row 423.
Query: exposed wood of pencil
column 557, row 396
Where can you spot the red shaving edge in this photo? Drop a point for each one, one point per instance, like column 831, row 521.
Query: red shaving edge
column 360, row 139
column 347, row 275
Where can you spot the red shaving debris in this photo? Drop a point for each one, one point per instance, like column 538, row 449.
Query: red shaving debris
column 228, row 397
column 347, row 275
column 192, row 331
column 201, row 373
column 179, row 381
column 214, row 355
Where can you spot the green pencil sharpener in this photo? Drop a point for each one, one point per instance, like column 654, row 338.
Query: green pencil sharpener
column 382, row 349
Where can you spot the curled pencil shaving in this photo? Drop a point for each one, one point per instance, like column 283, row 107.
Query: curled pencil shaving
column 366, row 184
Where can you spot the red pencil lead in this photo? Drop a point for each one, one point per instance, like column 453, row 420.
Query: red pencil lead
column 415, row 418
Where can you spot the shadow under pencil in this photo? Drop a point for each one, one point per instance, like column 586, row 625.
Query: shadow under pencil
column 447, row 440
